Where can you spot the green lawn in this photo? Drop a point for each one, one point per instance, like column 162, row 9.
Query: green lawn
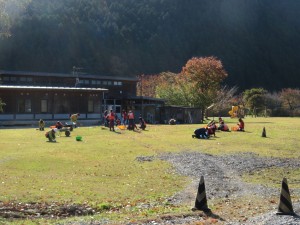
column 102, row 168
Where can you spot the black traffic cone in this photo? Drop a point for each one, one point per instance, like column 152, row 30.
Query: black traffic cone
column 264, row 134
column 201, row 201
column 285, row 205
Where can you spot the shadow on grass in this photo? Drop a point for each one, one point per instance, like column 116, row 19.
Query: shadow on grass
column 53, row 142
column 258, row 122
column 214, row 216
column 118, row 132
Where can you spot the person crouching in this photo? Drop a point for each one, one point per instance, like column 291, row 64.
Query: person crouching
column 201, row 133
column 142, row 123
column 51, row 135
column 41, row 125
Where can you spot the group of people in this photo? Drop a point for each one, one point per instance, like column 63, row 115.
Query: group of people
column 210, row 129
column 58, row 125
column 127, row 119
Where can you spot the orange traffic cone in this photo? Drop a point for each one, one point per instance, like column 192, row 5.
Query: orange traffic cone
column 285, row 205
column 264, row 134
column 201, row 201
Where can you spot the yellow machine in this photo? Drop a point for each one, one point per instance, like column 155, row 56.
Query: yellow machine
column 236, row 112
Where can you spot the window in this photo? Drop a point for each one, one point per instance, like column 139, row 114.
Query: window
column 118, row 109
column 44, row 105
column 117, row 83
column 23, row 79
column 105, row 82
column 21, row 106
column 110, row 102
column 24, row 106
column 90, row 106
column 28, row 106
column 96, row 82
column 109, row 83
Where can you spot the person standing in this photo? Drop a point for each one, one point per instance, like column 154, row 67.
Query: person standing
column 105, row 119
column 131, row 124
column 74, row 118
column 111, row 117
column 124, row 117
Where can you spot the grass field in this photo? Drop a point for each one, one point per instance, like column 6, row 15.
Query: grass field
column 102, row 170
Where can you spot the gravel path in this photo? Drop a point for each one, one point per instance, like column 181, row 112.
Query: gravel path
column 222, row 180
column 223, row 173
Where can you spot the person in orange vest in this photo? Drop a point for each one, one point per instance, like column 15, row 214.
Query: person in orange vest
column 111, row 117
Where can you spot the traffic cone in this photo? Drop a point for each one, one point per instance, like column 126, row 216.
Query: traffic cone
column 264, row 134
column 285, row 205
column 201, row 201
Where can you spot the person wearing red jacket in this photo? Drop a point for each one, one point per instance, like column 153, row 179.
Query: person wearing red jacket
column 111, row 117
column 241, row 125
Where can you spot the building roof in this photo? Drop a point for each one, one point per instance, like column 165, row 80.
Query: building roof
column 146, row 98
column 75, row 75
column 14, row 87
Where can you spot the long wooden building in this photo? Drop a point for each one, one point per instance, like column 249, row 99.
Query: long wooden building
column 30, row 96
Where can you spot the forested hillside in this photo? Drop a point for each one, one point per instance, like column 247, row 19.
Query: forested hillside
column 258, row 41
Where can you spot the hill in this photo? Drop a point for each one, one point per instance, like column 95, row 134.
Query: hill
column 257, row 41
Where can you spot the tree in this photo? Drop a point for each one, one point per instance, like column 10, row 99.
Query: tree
column 168, row 89
column 274, row 104
column 291, row 99
column 204, row 76
column 164, row 85
column 255, row 100
column 225, row 99
column 146, row 85
column 10, row 10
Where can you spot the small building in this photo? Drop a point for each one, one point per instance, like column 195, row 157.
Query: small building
column 182, row 115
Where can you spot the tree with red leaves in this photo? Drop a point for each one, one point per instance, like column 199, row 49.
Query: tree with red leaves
column 197, row 85
column 204, row 75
